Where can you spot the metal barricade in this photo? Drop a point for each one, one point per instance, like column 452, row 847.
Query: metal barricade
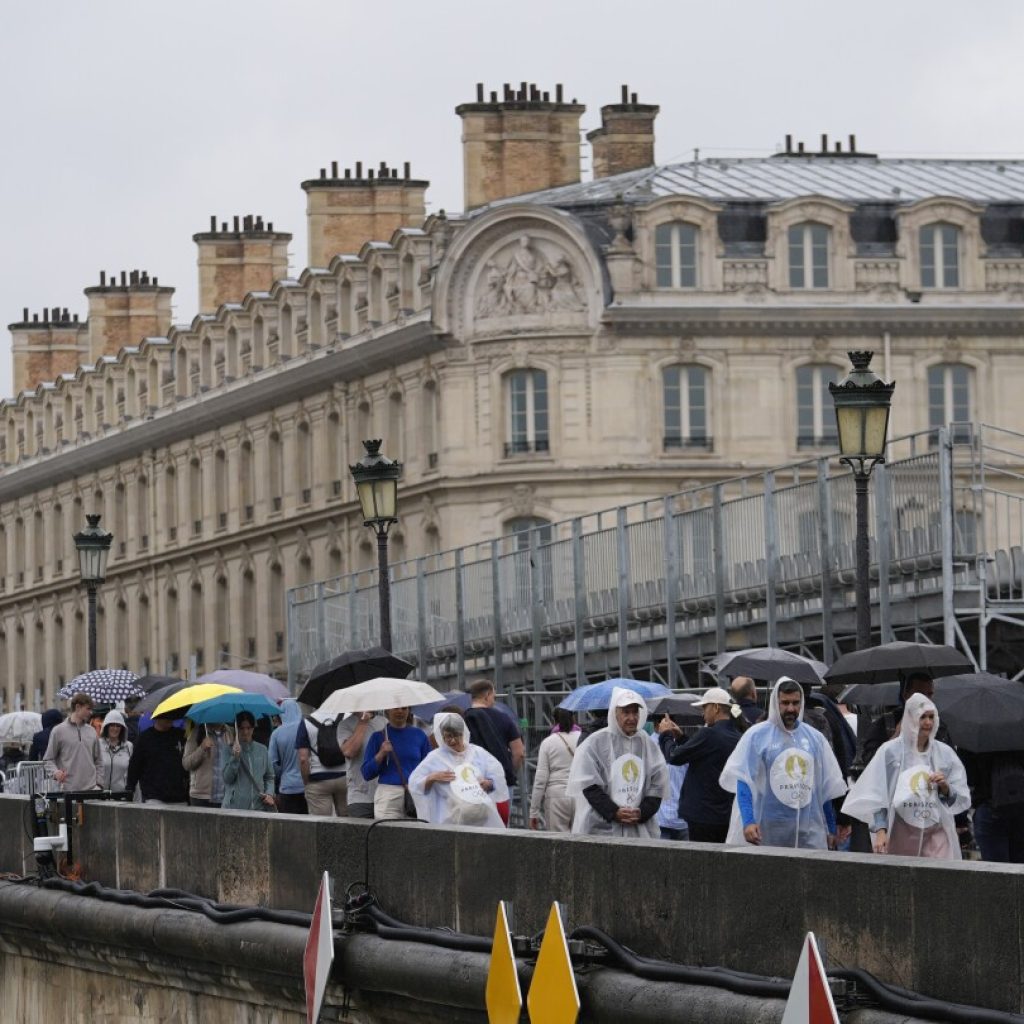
column 32, row 777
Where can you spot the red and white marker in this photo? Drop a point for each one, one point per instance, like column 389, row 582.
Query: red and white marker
column 319, row 955
column 810, row 999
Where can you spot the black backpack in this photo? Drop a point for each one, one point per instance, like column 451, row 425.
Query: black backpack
column 328, row 750
column 1007, row 783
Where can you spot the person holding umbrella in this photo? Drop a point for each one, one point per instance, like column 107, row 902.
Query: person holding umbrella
column 248, row 775
column 911, row 790
column 390, row 757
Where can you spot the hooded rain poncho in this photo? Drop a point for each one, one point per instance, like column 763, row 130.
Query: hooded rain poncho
column 790, row 774
column 895, row 787
column 463, row 801
column 627, row 768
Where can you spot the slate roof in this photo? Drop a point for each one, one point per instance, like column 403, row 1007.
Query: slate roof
column 775, row 179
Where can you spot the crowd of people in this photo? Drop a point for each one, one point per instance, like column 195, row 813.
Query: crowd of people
column 782, row 777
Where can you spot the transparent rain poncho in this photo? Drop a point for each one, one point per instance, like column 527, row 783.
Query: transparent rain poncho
column 790, row 773
column 462, row 801
column 895, row 783
column 627, row 768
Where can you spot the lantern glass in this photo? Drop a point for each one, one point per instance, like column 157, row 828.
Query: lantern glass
column 93, row 546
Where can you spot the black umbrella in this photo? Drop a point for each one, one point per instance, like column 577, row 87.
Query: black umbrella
column 155, row 698
column 767, row 664
column 152, row 681
column 982, row 712
column 897, row 660
column 350, row 668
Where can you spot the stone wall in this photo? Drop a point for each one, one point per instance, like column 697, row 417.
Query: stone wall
column 913, row 924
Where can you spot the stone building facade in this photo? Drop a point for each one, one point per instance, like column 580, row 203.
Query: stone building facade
column 540, row 356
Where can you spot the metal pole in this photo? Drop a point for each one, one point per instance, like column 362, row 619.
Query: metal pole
column 668, row 521
column 622, row 548
column 579, row 592
column 771, row 579
column 499, row 639
column 825, row 546
column 883, row 533
column 862, row 592
column 384, row 588
column 91, row 588
column 946, row 499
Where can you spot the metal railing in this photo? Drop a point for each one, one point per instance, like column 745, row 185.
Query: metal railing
column 765, row 558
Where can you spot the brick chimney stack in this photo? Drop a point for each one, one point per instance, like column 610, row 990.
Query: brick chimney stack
column 45, row 345
column 244, row 256
column 625, row 140
column 523, row 142
column 123, row 311
column 345, row 211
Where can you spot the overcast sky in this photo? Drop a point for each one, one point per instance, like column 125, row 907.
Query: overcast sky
column 125, row 125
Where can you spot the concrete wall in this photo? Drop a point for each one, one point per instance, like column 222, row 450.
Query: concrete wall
column 951, row 932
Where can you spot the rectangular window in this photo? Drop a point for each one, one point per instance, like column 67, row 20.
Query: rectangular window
column 675, row 255
column 528, row 423
column 815, row 411
column 940, row 256
column 949, row 394
column 808, row 256
column 684, row 395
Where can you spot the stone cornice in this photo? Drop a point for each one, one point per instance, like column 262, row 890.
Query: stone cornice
column 811, row 320
column 300, row 376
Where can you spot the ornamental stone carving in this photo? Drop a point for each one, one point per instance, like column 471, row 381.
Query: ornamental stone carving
column 526, row 278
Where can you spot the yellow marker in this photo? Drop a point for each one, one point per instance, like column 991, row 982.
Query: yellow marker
column 553, row 998
column 504, row 998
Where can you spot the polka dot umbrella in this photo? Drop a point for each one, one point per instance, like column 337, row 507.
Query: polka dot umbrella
column 104, row 685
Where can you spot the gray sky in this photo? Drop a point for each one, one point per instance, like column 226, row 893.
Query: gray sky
column 126, row 124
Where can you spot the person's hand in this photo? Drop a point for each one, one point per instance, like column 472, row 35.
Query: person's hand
column 535, row 824
column 844, row 833
column 938, row 779
column 236, row 748
column 752, row 834
column 385, row 749
column 831, row 840
column 60, row 775
column 880, row 841
column 667, row 725
column 628, row 815
column 267, row 799
column 445, row 776
column 486, row 785
column 366, row 716
column 207, row 744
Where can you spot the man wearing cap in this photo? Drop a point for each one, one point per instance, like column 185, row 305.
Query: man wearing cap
column 703, row 804
column 785, row 777
column 618, row 776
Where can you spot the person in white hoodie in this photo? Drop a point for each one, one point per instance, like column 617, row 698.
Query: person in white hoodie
column 115, row 751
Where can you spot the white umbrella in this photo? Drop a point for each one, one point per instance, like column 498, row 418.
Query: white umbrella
column 376, row 695
column 19, row 727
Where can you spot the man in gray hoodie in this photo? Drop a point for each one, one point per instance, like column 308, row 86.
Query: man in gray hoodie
column 74, row 748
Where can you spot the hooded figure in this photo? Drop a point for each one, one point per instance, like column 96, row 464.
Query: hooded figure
column 51, row 717
column 459, row 782
column 284, row 759
column 912, row 788
column 619, row 777
column 785, row 776
column 116, row 752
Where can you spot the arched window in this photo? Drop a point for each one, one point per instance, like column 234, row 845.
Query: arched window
column 345, row 308
column 220, row 487
column 408, row 287
column 949, row 395
column 275, row 466
column 940, row 255
column 286, row 346
column 19, row 550
column 141, row 656
column 430, row 427
column 231, row 362
column 120, row 527
column 394, row 443
column 378, row 305
column 195, row 623
column 675, row 254
column 528, row 533
column 275, row 609
column 808, row 255
column 527, row 426
column 521, row 526
column 38, row 543
column 195, row 495
column 249, row 614
column 259, row 343
column 223, row 626
column 335, row 447
column 171, row 502
column 206, row 363
column 316, row 321
column 173, row 660
column 245, row 481
column 142, row 512
column 815, row 410
column 58, row 539
column 685, row 401
column 304, row 463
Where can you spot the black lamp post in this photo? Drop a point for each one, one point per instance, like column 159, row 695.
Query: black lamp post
column 376, row 478
column 93, row 546
column 862, row 415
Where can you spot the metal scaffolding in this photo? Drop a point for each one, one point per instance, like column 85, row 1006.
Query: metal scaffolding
column 654, row 589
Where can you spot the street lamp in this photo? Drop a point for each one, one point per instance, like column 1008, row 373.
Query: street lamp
column 93, row 546
column 862, row 401
column 376, row 478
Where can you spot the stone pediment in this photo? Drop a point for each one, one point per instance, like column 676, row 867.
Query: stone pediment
column 520, row 271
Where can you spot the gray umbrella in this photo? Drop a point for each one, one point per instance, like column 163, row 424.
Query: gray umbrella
column 767, row 664
column 895, row 661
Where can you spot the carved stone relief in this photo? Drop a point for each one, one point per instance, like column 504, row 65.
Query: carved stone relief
column 527, row 277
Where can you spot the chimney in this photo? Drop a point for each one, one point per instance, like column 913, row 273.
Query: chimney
column 124, row 310
column 524, row 142
column 346, row 211
column 244, row 256
column 44, row 347
column 625, row 140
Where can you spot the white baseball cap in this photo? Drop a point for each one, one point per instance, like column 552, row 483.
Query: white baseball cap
column 716, row 695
